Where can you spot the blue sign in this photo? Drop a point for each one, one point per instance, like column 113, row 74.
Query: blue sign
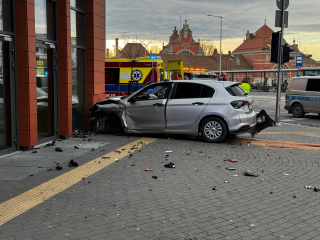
column 299, row 60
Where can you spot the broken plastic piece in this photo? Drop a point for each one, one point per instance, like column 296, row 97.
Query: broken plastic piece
column 231, row 160
column 215, row 188
column 250, row 173
column 169, row 151
column 34, row 151
column 58, row 149
column 154, row 177
column 50, row 144
column 73, row 163
column 169, row 165
column 231, row 168
column 58, row 167
column 316, row 189
column 148, row 169
column 308, row 187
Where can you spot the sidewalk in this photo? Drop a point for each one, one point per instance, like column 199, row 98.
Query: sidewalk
column 111, row 196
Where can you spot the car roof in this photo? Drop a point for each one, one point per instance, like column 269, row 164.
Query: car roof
column 209, row 82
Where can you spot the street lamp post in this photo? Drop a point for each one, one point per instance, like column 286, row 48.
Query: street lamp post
column 209, row 15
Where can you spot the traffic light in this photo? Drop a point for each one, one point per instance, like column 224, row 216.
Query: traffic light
column 275, row 47
column 286, row 50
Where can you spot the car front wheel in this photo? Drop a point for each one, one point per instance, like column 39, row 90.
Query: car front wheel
column 297, row 110
column 213, row 130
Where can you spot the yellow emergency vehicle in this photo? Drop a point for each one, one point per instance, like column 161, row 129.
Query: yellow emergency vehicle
column 121, row 78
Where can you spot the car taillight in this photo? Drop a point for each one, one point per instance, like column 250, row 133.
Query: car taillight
column 240, row 103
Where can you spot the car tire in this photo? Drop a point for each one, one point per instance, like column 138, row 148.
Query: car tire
column 115, row 127
column 297, row 110
column 214, row 130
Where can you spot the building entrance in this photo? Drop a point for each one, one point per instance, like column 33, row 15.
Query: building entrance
column 46, row 91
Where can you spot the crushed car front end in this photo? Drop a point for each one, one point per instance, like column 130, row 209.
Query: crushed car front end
column 108, row 116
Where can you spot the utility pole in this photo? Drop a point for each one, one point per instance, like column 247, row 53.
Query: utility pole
column 281, row 21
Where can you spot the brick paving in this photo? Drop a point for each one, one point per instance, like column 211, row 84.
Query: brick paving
column 198, row 199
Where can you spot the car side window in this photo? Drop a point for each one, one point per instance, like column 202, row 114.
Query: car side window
column 313, row 85
column 207, row 92
column 193, row 90
column 153, row 92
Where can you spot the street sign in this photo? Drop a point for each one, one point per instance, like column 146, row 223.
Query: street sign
column 299, row 60
column 279, row 18
column 280, row 4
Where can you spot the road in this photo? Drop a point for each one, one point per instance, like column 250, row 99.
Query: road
column 267, row 101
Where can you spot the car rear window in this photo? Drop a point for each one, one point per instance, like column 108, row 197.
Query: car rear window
column 235, row 90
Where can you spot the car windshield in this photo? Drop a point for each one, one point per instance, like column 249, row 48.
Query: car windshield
column 235, row 90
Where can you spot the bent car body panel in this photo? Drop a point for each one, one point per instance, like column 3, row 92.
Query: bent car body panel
column 148, row 115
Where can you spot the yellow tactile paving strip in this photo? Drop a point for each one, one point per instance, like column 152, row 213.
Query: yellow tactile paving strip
column 27, row 200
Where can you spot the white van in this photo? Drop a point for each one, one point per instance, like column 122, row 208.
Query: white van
column 303, row 95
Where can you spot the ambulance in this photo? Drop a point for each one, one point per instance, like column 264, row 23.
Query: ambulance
column 121, row 78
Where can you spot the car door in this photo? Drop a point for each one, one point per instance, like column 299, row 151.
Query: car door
column 145, row 111
column 186, row 104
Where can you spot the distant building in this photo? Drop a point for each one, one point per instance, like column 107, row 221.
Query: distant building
column 182, row 43
column 256, row 49
column 132, row 51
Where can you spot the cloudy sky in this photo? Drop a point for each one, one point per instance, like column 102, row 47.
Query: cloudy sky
column 153, row 20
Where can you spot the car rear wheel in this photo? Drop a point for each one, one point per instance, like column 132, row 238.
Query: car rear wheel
column 213, row 129
column 297, row 110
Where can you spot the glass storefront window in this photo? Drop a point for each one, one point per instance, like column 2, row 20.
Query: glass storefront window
column 45, row 98
column 44, row 19
column 78, row 96
column 41, row 18
column 5, row 111
column 5, row 15
column 77, row 4
column 77, row 28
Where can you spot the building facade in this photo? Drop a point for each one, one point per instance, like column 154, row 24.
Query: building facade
column 256, row 50
column 182, row 43
column 51, row 68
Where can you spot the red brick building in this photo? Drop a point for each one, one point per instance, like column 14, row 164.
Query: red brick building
column 256, row 49
column 182, row 43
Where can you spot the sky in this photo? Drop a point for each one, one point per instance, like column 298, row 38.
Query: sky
column 152, row 22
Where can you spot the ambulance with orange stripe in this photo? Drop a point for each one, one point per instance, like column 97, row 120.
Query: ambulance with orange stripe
column 121, row 78
column 120, row 72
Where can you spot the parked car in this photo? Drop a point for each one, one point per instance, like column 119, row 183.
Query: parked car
column 303, row 96
column 207, row 108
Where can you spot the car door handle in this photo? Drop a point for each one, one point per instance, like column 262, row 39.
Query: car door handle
column 197, row 103
column 158, row 105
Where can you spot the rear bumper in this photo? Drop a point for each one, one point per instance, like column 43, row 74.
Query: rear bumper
column 263, row 121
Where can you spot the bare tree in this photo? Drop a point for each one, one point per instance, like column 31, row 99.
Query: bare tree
column 208, row 47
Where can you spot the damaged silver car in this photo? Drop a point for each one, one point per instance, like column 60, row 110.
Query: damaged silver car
column 210, row 109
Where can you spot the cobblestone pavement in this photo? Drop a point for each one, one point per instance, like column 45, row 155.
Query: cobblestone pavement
column 198, row 199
